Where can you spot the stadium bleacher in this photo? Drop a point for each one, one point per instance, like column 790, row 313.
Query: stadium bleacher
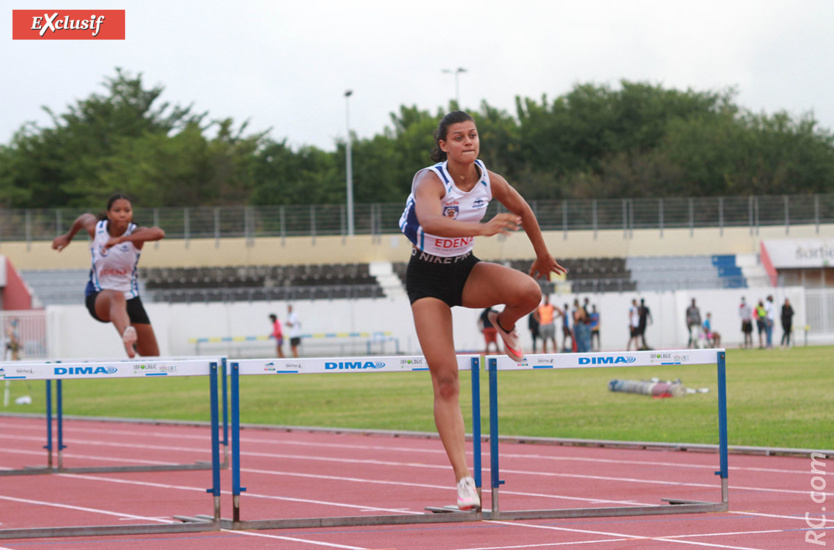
column 265, row 282
column 356, row 280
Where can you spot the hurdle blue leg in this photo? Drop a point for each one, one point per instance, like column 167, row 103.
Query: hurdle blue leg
column 493, row 434
column 225, row 417
column 48, row 445
column 722, row 426
column 236, row 488
column 215, row 442
column 59, row 403
column 476, row 420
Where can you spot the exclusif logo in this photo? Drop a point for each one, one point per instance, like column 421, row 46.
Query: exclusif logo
column 68, row 24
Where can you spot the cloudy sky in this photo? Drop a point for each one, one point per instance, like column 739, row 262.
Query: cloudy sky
column 285, row 66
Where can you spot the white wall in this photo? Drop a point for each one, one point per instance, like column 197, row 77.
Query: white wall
column 73, row 334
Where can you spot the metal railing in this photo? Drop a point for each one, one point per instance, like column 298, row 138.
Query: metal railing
column 251, row 222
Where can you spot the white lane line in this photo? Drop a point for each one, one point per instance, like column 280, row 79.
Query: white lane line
column 293, row 539
column 248, row 494
column 250, row 440
column 439, row 452
column 342, row 460
column 621, row 536
column 84, row 509
column 84, row 457
column 583, row 477
column 398, row 483
column 439, row 487
column 505, row 471
column 140, row 446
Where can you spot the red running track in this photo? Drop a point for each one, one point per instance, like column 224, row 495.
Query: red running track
column 298, row 474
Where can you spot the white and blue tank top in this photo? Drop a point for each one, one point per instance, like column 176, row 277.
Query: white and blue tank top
column 466, row 206
column 114, row 268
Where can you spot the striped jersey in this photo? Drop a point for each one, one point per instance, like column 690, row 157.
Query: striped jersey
column 114, row 268
column 457, row 204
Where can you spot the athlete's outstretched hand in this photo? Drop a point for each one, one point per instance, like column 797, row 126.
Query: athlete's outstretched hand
column 503, row 224
column 544, row 266
column 60, row 243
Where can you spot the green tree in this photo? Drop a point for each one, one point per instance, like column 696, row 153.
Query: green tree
column 59, row 165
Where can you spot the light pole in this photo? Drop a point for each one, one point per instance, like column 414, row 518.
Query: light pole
column 349, row 167
column 456, row 72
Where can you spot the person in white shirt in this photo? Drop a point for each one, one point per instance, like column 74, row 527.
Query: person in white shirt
column 633, row 325
column 770, row 320
column 745, row 313
column 294, row 330
column 442, row 217
column 112, row 293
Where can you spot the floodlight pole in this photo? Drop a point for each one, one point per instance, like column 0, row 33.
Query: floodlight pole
column 456, row 72
column 349, row 167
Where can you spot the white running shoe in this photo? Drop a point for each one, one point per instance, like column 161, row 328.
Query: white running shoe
column 129, row 338
column 512, row 345
column 468, row 498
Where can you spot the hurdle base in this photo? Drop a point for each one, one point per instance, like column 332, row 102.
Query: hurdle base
column 195, row 519
column 28, row 471
column 348, row 521
column 450, row 509
column 679, row 507
column 105, row 530
column 199, row 465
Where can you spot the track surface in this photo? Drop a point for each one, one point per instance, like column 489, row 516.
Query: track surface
column 300, row 474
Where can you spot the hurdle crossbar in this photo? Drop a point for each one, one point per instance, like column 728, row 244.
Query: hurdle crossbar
column 400, row 363
column 608, row 360
column 155, row 367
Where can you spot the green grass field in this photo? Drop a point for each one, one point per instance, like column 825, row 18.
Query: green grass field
column 775, row 398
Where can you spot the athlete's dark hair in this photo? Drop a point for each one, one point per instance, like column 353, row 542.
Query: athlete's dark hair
column 437, row 154
column 110, row 201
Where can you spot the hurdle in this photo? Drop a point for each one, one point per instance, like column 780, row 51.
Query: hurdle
column 608, row 360
column 156, row 367
column 354, row 365
column 59, row 446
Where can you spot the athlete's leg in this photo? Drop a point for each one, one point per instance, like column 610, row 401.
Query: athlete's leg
column 146, row 345
column 433, row 322
column 491, row 284
column 111, row 306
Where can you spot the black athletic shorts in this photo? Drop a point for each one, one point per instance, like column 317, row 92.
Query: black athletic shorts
column 430, row 276
column 135, row 310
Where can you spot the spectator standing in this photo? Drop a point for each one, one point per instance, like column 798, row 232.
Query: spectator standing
column 294, row 330
column 761, row 322
column 581, row 328
column 713, row 338
column 488, row 330
column 693, row 323
column 595, row 329
column 787, row 323
column 770, row 320
column 567, row 332
column 745, row 313
column 533, row 326
column 278, row 334
column 548, row 313
column 13, row 341
column 645, row 320
column 633, row 324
